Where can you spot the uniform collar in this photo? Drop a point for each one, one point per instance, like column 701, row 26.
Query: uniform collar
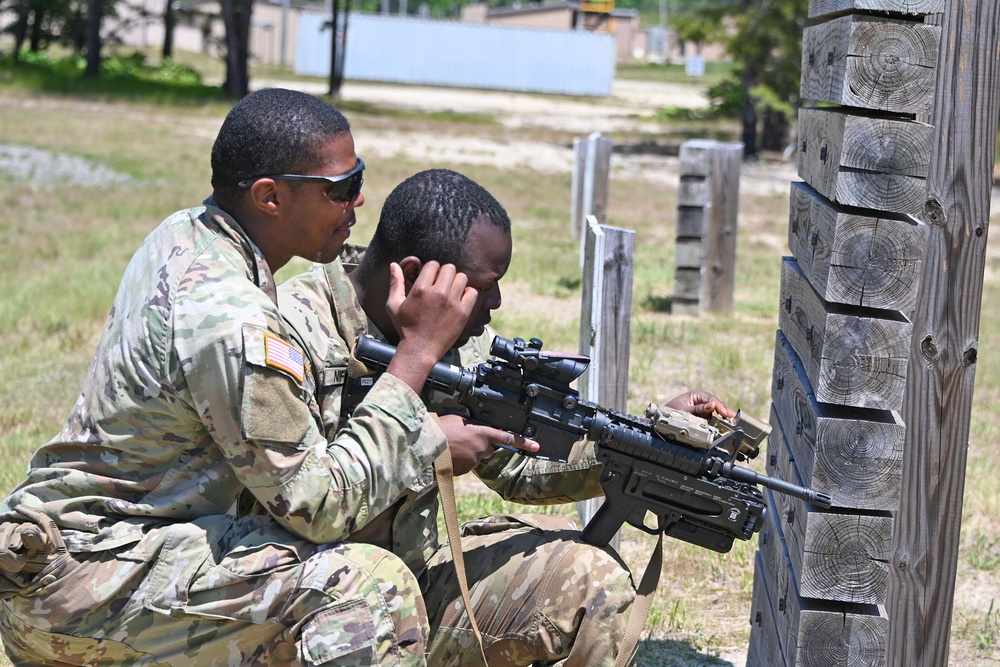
column 257, row 269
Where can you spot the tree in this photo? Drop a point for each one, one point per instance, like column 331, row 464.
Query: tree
column 764, row 38
column 169, row 21
column 767, row 44
column 20, row 28
column 338, row 49
column 236, row 17
column 95, row 11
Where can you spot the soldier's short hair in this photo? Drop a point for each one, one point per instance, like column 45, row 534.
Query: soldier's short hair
column 271, row 131
column 429, row 215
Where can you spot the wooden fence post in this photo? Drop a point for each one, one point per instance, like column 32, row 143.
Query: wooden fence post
column 707, row 206
column 943, row 352
column 591, row 184
column 843, row 361
column 605, row 317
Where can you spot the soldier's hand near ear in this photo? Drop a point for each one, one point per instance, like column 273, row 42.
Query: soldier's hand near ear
column 429, row 318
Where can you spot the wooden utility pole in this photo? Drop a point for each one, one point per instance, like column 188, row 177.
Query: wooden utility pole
column 944, row 348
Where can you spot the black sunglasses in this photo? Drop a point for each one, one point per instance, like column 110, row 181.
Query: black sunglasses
column 343, row 188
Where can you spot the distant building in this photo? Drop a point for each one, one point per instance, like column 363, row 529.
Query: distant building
column 566, row 15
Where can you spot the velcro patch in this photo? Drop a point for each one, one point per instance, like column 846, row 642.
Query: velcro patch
column 281, row 355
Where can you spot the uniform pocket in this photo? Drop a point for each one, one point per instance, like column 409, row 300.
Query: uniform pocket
column 186, row 549
column 343, row 635
column 273, row 409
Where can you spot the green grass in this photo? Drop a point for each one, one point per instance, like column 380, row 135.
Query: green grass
column 129, row 76
column 672, row 72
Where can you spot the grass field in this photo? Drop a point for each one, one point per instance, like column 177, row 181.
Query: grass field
column 65, row 240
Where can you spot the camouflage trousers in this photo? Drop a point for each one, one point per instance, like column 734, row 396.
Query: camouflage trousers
column 222, row 591
column 541, row 596
column 227, row 591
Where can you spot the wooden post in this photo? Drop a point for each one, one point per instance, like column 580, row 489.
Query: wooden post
column 707, row 205
column 843, row 359
column 943, row 352
column 591, row 184
column 605, row 317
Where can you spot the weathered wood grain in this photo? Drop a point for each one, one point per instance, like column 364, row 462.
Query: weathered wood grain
column 856, row 257
column 709, row 182
column 777, row 573
column 696, row 157
column 835, row 555
column 605, row 323
column 687, row 288
column 855, row 456
column 720, row 236
column 802, row 624
column 852, row 357
column 765, row 646
column 691, row 222
column 939, row 390
column 870, row 62
column 865, row 161
column 818, row 8
column 841, row 639
column 692, row 191
column 690, row 254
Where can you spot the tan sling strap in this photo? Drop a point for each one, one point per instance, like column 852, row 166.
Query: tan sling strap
column 643, row 603
column 446, row 487
column 644, row 595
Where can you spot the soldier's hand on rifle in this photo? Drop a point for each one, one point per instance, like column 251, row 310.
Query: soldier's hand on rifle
column 471, row 443
column 701, row 403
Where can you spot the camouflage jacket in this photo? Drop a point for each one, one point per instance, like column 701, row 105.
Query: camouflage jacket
column 197, row 397
column 322, row 308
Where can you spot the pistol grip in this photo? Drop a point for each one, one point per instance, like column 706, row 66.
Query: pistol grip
column 606, row 522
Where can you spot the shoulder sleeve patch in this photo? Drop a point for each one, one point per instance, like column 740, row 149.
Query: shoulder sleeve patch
column 279, row 354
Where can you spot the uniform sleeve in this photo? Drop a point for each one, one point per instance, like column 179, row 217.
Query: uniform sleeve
column 531, row 481
column 247, row 382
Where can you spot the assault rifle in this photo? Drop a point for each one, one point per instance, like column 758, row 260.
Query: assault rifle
column 675, row 465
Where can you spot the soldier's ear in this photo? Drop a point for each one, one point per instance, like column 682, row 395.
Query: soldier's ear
column 411, row 269
column 264, row 196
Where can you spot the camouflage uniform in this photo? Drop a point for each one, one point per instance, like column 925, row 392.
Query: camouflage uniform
column 196, row 405
column 541, row 595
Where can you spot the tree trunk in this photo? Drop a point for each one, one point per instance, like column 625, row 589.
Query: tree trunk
column 749, row 137
column 236, row 16
column 20, row 29
column 95, row 8
column 169, row 21
column 774, row 136
column 338, row 50
column 78, row 30
column 36, row 33
column 334, row 49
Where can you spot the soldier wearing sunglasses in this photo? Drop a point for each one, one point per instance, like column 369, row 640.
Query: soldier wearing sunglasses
column 539, row 593
column 193, row 510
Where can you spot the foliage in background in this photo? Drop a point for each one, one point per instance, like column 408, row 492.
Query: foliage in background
column 764, row 40
column 129, row 75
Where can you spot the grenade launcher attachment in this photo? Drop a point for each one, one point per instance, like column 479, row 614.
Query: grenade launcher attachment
column 673, row 464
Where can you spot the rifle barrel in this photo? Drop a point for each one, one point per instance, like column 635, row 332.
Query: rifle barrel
column 733, row 471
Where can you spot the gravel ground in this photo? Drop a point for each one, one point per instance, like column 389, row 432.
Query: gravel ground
column 45, row 168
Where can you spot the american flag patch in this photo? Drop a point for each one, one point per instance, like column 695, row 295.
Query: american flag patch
column 281, row 355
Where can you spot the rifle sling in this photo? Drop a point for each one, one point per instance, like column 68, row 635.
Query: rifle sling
column 446, row 487
column 643, row 603
column 644, row 595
